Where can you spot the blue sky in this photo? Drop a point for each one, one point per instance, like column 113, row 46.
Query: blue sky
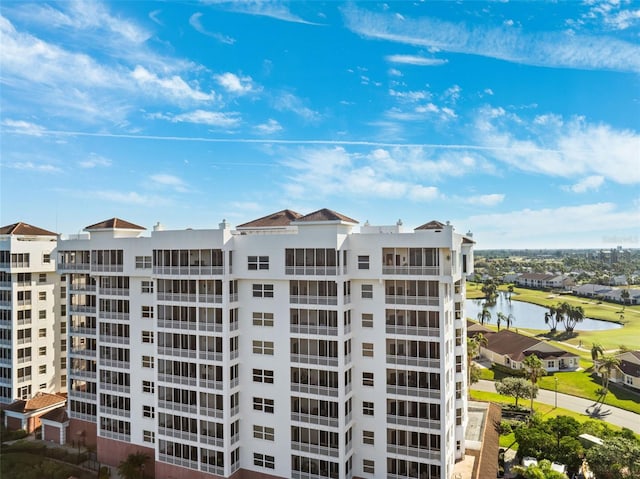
column 519, row 121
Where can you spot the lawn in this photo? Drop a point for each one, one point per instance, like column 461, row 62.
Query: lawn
column 22, row 465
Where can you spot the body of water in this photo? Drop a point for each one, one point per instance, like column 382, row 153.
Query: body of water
column 528, row 315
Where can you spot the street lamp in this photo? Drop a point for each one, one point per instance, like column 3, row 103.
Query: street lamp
column 556, row 378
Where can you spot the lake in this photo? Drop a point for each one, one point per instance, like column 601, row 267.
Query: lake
column 528, row 315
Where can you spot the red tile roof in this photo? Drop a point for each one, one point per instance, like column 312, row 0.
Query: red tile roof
column 57, row 415
column 279, row 219
column 25, row 229
column 326, row 215
column 114, row 224
column 39, row 401
column 630, row 363
column 518, row 346
column 431, row 225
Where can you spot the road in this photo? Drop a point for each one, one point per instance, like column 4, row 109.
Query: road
column 610, row 414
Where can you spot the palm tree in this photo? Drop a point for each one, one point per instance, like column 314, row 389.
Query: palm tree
column 500, row 317
column 474, row 344
column 133, row 466
column 533, row 366
column 596, row 350
column 510, row 319
column 551, row 318
column 606, row 364
column 484, row 315
column 575, row 315
column 624, row 295
column 510, row 289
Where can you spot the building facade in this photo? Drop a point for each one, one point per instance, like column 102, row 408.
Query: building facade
column 33, row 332
column 289, row 347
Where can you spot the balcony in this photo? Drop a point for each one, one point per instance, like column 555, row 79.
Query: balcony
column 411, row 361
column 83, row 352
column 176, row 406
column 313, row 389
column 205, row 411
column 82, row 288
column 184, row 435
column 178, row 461
column 170, row 378
column 115, row 387
column 211, row 355
column 313, row 359
column 413, row 331
column 114, row 363
column 113, row 339
column 82, row 331
column 82, row 416
column 414, row 392
column 106, row 268
column 82, row 374
column 24, row 359
column 413, row 421
column 112, row 411
column 212, row 441
column 177, row 297
column 114, row 315
column 312, row 270
column 114, row 291
column 213, row 327
column 176, row 352
column 84, row 395
column 210, row 298
column 64, row 267
column 171, row 324
column 305, row 299
column 192, row 270
column 412, row 300
column 314, row 419
column 211, row 384
column 412, row 270
column 313, row 329
column 315, row 449
column 118, row 436
column 80, row 309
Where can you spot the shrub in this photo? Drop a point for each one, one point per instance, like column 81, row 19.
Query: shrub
column 505, row 427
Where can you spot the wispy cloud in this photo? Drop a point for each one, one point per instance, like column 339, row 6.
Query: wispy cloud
column 31, row 166
column 125, row 197
column 204, row 117
column 549, row 49
column 195, row 22
column 155, row 17
column 415, row 60
column 238, row 85
column 290, row 102
column 173, row 86
column 612, row 14
column 563, row 148
column 486, row 200
column 270, row 127
column 94, row 160
column 278, row 11
column 587, row 184
column 165, row 180
column 22, row 127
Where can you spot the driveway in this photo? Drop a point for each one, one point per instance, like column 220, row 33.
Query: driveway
column 610, row 414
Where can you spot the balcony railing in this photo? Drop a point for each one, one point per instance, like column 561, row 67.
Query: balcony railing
column 114, row 339
column 114, row 315
column 115, row 411
column 177, row 352
column 412, row 421
column 413, row 300
column 114, row 291
column 74, row 266
column 188, row 270
column 115, row 387
column 306, row 299
column 118, row 436
column 210, row 298
column 178, row 461
column 413, row 330
column 210, row 327
column 84, row 352
column 176, row 406
column 170, row 378
column 209, row 412
column 412, row 270
column 313, row 329
column 81, row 309
column 82, row 374
column 83, row 330
column 314, row 419
column 212, row 441
column 414, row 451
column 411, row 361
column 312, row 270
column 83, row 288
column 211, row 384
column 184, row 435
column 114, row 363
column 82, row 395
column 107, row 268
column 414, row 392
column 315, row 449
column 211, row 355
column 177, row 297
column 171, row 324
column 312, row 389
column 314, row 359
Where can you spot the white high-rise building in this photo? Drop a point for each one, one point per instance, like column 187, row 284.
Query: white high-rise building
column 33, row 332
column 289, row 347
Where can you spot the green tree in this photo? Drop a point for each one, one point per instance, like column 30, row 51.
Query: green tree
column 474, row 344
column 561, row 426
column 624, row 295
column 574, row 315
column 617, row 458
column 484, row 315
column 542, row 470
column 596, row 350
column 534, row 441
column 499, row 318
column 606, row 364
column 490, row 290
column 133, row 466
column 533, row 366
column 516, row 388
column 551, row 318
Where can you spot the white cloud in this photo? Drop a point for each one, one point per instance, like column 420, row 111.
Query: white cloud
column 93, row 161
column 31, row 166
column 269, row 127
column 564, row 148
column 290, row 102
column 155, row 17
column 211, row 118
column 415, row 60
column 22, row 127
column 173, row 86
column 235, row 84
column 424, row 193
column 486, row 200
column 549, row 49
column 572, row 226
column 194, row 21
column 587, row 184
column 126, row 197
column 170, row 181
column 274, row 10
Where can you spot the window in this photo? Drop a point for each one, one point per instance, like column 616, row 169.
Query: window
column 264, row 432
column 42, row 314
column 148, row 411
column 147, row 362
column 261, row 404
column 367, row 291
column 367, row 379
column 367, row 408
column 42, row 278
column 262, row 319
column 143, row 262
column 42, row 351
column 368, row 437
column 367, row 349
column 42, row 369
column 258, row 262
column 263, row 291
column 43, row 386
column 149, row 436
column 363, row 262
column 46, row 258
column 263, row 347
column 262, row 376
column 148, row 387
column 147, row 336
column 263, row 460
column 368, row 466
column 367, row 320
column 147, row 312
column 42, row 296
column 147, row 286
column 42, row 332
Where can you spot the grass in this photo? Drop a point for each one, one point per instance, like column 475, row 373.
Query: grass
column 22, row 465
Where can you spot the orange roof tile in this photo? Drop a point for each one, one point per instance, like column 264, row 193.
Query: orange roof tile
column 39, row 401
column 25, row 229
column 279, row 219
column 114, row 224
